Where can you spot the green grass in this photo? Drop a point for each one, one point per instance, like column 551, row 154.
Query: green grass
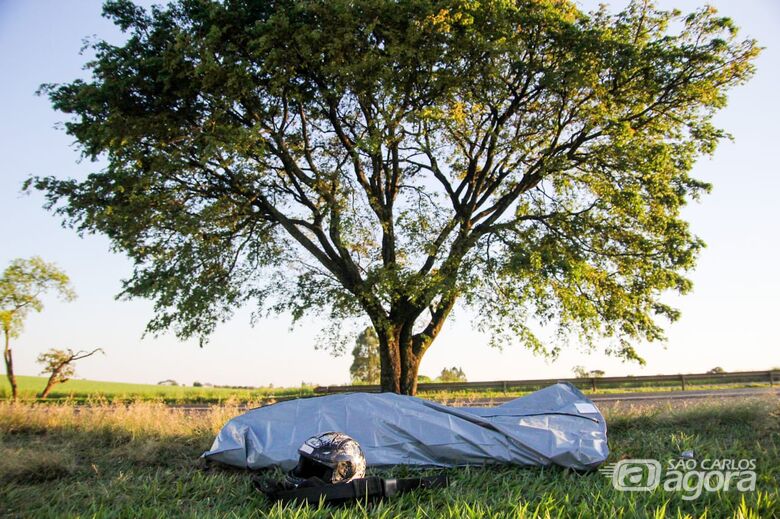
column 81, row 390
column 141, row 460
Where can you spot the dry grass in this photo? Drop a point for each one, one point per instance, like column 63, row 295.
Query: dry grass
column 135, row 419
column 64, row 440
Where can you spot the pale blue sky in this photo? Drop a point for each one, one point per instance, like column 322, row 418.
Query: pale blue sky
column 729, row 320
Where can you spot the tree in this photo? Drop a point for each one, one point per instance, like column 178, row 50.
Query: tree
column 452, row 374
column 580, row 372
column 22, row 284
column 716, row 370
column 365, row 363
column 59, row 365
column 387, row 160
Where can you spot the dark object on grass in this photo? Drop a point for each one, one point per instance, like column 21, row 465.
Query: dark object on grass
column 370, row 488
column 557, row 425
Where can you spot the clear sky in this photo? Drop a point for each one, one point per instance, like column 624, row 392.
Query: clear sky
column 730, row 320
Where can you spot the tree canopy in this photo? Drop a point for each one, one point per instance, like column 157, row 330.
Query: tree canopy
column 453, row 374
column 23, row 283
column 581, row 372
column 390, row 158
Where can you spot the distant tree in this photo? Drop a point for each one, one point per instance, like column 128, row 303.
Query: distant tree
column 58, row 364
column 22, row 284
column 168, row 382
column 580, row 372
column 197, row 384
column 388, row 160
column 365, row 367
column 452, row 374
column 716, row 370
column 423, row 379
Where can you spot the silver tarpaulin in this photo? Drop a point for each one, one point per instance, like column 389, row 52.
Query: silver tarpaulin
column 556, row 425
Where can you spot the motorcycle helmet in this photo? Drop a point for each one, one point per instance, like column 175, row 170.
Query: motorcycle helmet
column 328, row 458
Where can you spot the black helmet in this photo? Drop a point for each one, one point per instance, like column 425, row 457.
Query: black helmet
column 330, row 457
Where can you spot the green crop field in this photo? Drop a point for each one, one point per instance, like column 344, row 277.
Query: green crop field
column 142, row 460
column 81, row 390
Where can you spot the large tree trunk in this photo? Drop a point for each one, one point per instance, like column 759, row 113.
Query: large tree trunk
column 9, row 365
column 398, row 361
column 410, row 361
column 401, row 350
column 389, row 359
column 409, row 368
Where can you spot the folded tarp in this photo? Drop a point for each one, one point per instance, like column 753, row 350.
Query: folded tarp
column 556, row 425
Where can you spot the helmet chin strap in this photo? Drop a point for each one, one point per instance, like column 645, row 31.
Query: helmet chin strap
column 313, row 481
column 362, row 488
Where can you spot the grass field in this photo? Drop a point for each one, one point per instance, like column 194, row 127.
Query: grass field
column 81, row 390
column 91, row 390
column 141, row 460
